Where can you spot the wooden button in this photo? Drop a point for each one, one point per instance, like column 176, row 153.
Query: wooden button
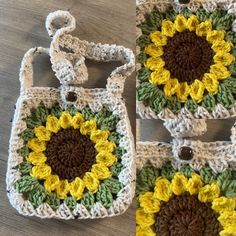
column 185, row 153
column 184, row 1
column 71, row 97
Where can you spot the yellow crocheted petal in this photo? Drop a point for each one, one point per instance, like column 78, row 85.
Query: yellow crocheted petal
column 106, row 158
column 159, row 76
column 154, row 63
column 223, row 58
column 146, row 231
column 168, row 28
column 51, row 182
column 192, row 23
column 171, row 87
column 183, row 92
column 52, row 124
column 41, row 171
column 209, row 192
column 77, row 188
column 222, row 204
column 220, row 71
column 158, row 38
column 77, row 120
column 222, row 46
column 105, row 146
column 228, row 219
column 179, row 184
column 149, row 203
column 211, row 83
column 162, row 189
column 91, row 182
column 42, row 133
column 229, row 231
column 65, row 120
column 197, row 90
column 36, row 158
column 154, row 51
column 88, row 126
column 36, row 145
column 101, row 171
column 215, row 35
column 99, row 135
column 194, row 184
column 204, row 28
column 144, row 219
column 62, row 189
column 180, row 23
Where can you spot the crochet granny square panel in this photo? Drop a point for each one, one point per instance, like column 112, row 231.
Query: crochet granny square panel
column 186, row 59
column 186, row 188
column 71, row 152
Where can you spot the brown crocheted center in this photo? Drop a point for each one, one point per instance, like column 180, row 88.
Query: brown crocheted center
column 187, row 56
column 185, row 215
column 70, row 154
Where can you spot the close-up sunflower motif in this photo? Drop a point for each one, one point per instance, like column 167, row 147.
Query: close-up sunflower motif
column 70, row 156
column 185, row 202
column 187, row 59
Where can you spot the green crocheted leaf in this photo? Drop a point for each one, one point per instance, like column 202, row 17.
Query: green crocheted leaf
column 88, row 200
column 202, row 14
column 120, row 151
column 101, row 115
column 143, row 40
column 116, row 169
column 52, row 200
column 231, row 190
column 168, row 171
column 87, row 113
column 72, row 110
column 110, row 123
column 170, row 14
column 146, row 91
column 234, row 51
column 41, row 113
column 185, row 12
column 231, row 36
column 224, row 179
column 187, row 171
column 32, row 122
column 174, row 105
column 215, row 16
column 146, row 178
column 114, row 185
column 191, row 105
column 115, row 137
column 225, row 97
column 24, row 168
column 157, row 100
column 232, row 68
column 24, row 151
column 225, row 22
column 209, row 102
column 104, row 196
column 37, row 196
column 26, row 184
column 230, row 84
column 207, row 175
column 141, row 58
column 27, row 134
column 70, row 202
column 143, row 74
column 56, row 110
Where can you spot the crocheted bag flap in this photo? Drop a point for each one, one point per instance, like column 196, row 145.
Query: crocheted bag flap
column 186, row 59
column 69, row 158
column 186, row 188
column 68, row 54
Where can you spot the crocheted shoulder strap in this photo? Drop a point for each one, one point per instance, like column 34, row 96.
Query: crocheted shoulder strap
column 68, row 54
column 26, row 70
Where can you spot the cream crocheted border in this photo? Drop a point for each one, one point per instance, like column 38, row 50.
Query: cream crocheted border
column 110, row 97
column 146, row 6
column 218, row 155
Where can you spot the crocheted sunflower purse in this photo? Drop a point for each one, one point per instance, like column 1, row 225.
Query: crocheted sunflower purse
column 71, row 152
column 186, row 58
column 186, row 187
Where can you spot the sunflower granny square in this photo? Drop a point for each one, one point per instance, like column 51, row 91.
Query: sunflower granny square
column 186, row 187
column 71, row 152
column 186, row 59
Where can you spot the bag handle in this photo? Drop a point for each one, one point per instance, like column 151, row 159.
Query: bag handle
column 70, row 66
column 26, row 69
